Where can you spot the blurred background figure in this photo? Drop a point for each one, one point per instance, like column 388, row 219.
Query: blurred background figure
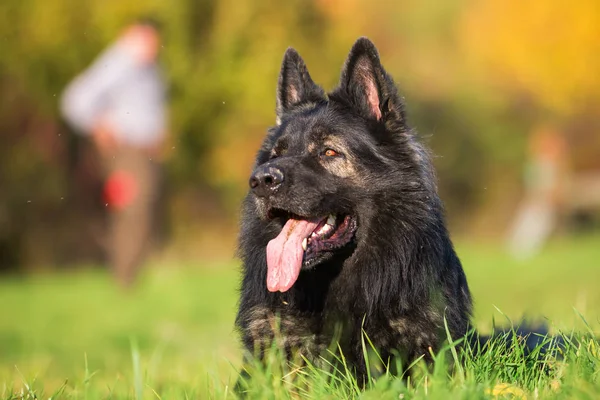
column 119, row 102
column 561, row 190
column 545, row 184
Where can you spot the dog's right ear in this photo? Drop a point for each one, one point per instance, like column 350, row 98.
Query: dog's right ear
column 295, row 84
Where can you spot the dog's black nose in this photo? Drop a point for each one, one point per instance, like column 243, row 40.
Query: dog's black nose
column 265, row 180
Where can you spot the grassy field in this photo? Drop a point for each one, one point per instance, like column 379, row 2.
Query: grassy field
column 75, row 335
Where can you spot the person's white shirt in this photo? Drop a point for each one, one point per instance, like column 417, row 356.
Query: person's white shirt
column 127, row 95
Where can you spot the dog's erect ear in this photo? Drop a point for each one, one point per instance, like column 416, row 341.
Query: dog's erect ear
column 295, row 84
column 369, row 87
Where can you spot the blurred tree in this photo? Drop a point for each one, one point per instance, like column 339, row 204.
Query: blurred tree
column 541, row 59
column 466, row 69
column 540, row 49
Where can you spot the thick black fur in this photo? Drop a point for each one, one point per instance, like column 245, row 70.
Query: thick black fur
column 400, row 276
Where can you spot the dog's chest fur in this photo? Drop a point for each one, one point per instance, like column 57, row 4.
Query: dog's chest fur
column 308, row 320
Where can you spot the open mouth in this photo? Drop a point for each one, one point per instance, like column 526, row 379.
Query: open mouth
column 304, row 242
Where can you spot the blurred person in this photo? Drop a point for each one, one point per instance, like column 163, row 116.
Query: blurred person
column 119, row 102
column 537, row 215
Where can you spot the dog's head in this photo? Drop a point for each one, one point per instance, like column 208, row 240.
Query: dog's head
column 330, row 160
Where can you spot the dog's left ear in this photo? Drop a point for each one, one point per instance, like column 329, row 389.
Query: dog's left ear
column 295, row 84
column 371, row 90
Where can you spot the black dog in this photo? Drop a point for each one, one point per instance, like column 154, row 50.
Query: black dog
column 343, row 229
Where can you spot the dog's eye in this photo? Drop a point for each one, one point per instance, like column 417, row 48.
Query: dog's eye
column 331, row 153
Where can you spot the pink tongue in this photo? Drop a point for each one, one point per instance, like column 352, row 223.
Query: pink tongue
column 284, row 254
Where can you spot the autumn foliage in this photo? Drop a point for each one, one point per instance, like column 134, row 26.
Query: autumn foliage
column 478, row 76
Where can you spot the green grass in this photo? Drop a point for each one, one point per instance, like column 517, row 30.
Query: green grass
column 75, row 335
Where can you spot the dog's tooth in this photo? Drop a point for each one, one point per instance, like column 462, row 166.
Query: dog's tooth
column 324, row 229
column 304, row 244
column 331, row 220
